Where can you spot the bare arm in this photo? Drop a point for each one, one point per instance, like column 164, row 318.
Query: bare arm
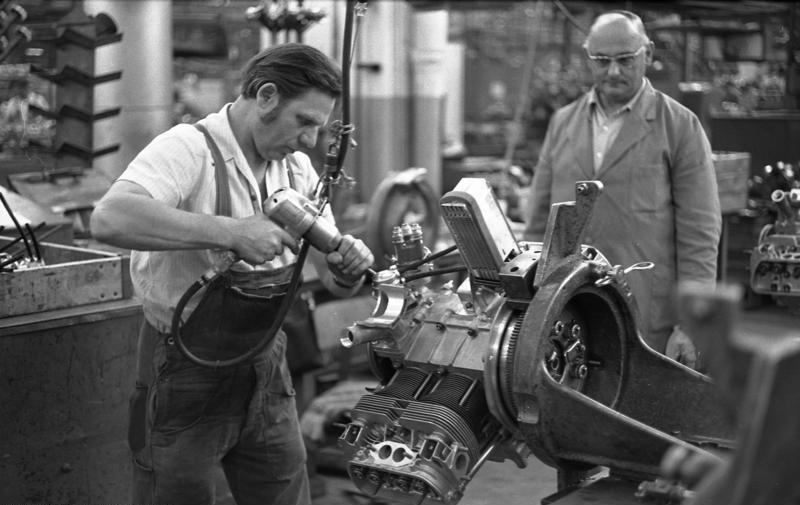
column 128, row 216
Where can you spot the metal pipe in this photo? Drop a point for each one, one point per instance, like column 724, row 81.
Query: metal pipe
column 784, row 207
column 481, row 460
column 354, row 335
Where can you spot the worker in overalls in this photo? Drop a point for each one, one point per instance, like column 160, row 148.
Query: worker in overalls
column 191, row 196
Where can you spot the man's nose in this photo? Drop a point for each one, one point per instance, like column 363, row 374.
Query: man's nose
column 614, row 68
column 309, row 137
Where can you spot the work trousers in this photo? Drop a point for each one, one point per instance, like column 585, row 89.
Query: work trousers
column 243, row 418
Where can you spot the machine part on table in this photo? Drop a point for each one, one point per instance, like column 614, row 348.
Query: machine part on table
column 775, row 261
column 516, row 360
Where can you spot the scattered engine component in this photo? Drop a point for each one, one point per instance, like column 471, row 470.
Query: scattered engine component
column 775, row 261
column 761, row 186
column 536, row 352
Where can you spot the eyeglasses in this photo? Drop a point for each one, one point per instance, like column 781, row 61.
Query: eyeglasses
column 623, row 60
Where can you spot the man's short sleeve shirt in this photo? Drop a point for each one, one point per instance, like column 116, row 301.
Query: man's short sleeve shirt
column 177, row 168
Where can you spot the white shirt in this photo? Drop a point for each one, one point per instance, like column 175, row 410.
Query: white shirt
column 176, row 168
column 606, row 127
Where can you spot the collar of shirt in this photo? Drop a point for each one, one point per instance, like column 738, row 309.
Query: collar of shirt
column 606, row 127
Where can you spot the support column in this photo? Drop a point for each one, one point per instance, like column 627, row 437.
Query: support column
column 380, row 96
column 145, row 91
column 429, row 46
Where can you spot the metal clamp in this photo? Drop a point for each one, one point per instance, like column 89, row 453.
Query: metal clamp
column 617, row 273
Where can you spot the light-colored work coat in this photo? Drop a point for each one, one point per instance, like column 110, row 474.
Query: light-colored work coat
column 659, row 202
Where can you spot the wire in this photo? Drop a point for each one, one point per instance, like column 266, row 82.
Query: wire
column 11, row 243
column 439, row 271
column 16, row 223
column 322, row 194
column 35, row 241
column 428, row 258
column 346, row 55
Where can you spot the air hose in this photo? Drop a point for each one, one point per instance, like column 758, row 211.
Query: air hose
column 262, row 344
column 336, row 164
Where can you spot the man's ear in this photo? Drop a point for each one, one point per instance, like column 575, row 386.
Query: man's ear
column 267, row 97
column 649, row 52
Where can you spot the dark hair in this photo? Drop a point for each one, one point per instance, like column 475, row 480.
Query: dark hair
column 294, row 69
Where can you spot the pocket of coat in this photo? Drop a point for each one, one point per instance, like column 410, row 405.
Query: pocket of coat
column 651, row 190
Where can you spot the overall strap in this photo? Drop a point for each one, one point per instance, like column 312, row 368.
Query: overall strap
column 290, row 160
column 148, row 335
column 220, row 174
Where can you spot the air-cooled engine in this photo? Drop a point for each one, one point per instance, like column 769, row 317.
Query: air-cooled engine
column 532, row 353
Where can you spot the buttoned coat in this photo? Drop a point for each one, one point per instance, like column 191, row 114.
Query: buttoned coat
column 659, row 202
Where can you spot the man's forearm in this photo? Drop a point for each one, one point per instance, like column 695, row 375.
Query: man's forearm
column 142, row 223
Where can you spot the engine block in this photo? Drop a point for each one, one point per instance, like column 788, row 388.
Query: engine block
column 537, row 340
column 775, row 261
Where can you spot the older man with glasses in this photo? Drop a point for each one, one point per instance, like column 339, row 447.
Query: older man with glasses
column 660, row 200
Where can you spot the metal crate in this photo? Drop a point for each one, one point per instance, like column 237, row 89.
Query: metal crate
column 70, row 277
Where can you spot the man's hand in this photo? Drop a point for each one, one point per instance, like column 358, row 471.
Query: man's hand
column 681, row 349
column 350, row 260
column 257, row 239
column 688, row 467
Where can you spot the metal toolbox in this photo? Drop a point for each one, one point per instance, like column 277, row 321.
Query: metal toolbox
column 70, row 277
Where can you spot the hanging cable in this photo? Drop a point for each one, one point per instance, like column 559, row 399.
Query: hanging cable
column 337, row 151
column 524, row 90
column 334, row 161
column 262, row 344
